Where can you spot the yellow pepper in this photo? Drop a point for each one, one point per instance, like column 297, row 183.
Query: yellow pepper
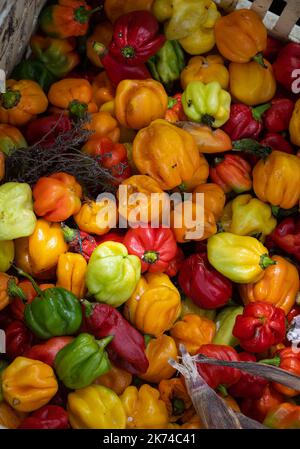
column 8, row 417
column 116, row 379
column 46, row 244
column 205, row 69
column 28, row 384
column 240, row 258
column 93, row 217
column 294, row 126
column 144, row 408
column 158, row 351
column 246, row 215
column 7, row 254
column 155, row 304
column 71, row 271
column 95, row 407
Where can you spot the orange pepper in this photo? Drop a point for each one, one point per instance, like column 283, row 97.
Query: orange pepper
column 206, row 69
column 73, row 94
column 71, row 271
column 193, row 423
column 9, row 418
column 214, row 198
column 116, row 379
column 284, row 416
column 117, row 8
column 104, row 125
column 103, row 90
column 179, row 404
column 5, row 293
column 209, row 140
column 90, row 218
column 102, row 33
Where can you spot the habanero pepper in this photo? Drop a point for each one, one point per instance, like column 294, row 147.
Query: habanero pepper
column 277, row 143
column 47, row 417
column 284, row 416
column 22, row 297
column 277, row 117
column 231, row 172
column 245, row 121
column 19, row 339
column 46, row 352
column 79, row 241
column 286, row 236
column 225, row 321
column 287, row 61
column 175, row 263
column 11, row 139
column 259, row 408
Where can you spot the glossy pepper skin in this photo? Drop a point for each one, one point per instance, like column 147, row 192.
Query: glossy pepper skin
column 36, row 71
column 242, row 259
column 8, row 289
column 116, row 379
column 277, row 143
column 217, row 375
column 74, row 95
column 259, row 408
column 28, row 384
column 22, row 297
column 11, row 139
column 174, row 393
column 46, row 352
column 261, row 326
column 127, row 349
column 95, row 407
column 7, row 253
column 287, row 236
column 156, row 247
column 19, row 339
column 288, row 60
column 294, row 128
column 80, row 362
column 289, row 360
column 91, row 217
column 47, row 129
column 245, row 121
column 206, row 103
column 277, row 117
column 70, row 272
column 231, row 172
column 205, row 69
column 101, row 33
column 175, row 112
column 112, row 274
column 47, row 417
column 284, row 416
column 225, row 321
column 202, row 283
column 79, row 241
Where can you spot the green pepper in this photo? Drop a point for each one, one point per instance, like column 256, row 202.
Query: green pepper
column 16, row 211
column 187, row 306
column 167, row 64
column 53, row 312
column 224, row 324
column 7, row 254
column 36, row 71
column 3, row 365
column 80, row 362
column 112, row 274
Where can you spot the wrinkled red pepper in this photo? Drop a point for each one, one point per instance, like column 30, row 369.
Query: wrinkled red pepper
column 175, row 264
column 155, row 247
column 245, row 121
column 46, row 129
column 175, row 110
column 277, row 142
column 272, row 49
column 261, row 326
column 79, row 241
column 286, row 236
column 231, row 172
column 203, row 284
column 46, row 352
column 127, row 348
column 248, row 386
column 277, row 118
column 47, row 417
column 217, row 376
column 287, row 64
column 18, row 339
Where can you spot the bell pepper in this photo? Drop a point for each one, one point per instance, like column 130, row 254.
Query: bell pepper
column 66, row 18
column 208, row 103
column 28, row 384
column 166, row 65
column 284, row 416
column 3, row 365
column 92, row 218
column 158, row 352
column 250, row 83
column 193, row 331
column 17, row 216
column 276, row 179
column 47, row 129
column 287, row 61
column 241, row 36
column 205, row 69
column 70, row 272
column 34, row 70
column 225, row 321
column 203, row 284
column 175, row 113
column 9, row 418
column 154, row 305
column 96, row 407
column 245, row 121
column 57, row 197
column 47, row 417
column 79, row 241
column 102, row 33
column 174, row 394
column 156, row 247
column 58, row 55
column 261, row 326
column 258, row 408
column 278, row 286
column 175, row 263
column 21, row 102
column 294, row 127
column 287, row 236
column 80, row 362
column 277, row 117
column 46, row 243
column 242, row 259
column 116, row 379
column 74, row 95
column 208, row 140
column 103, row 124
column 173, row 159
column 217, row 376
column 11, row 139
column 127, row 349
column 277, row 143
column 144, row 408
column 248, row 386
column 103, row 90
column 19, row 339
column 231, row 172
column 139, row 102
column 7, row 253
column 46, row 352
column 246, row 215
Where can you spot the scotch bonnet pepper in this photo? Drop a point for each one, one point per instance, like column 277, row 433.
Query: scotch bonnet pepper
column 7, row 254
column 245, row 121
column 47, row 417
column 47, row 129
column 11, row 139
column 289, row 360
column 225, row 321
column 286, row 64
column 205, row 69
column 231, row 172
column 18, row 339
column 277, row 117
column 70, row 272
column 283, row 416
column 79, row 241
column 286, row 236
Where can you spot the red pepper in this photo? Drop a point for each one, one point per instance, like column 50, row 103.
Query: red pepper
column 5, row 318
column 79, row 241
column 217, row 376
column 258, row 408
column 231, row 172
column 46, row 129
column 156, row 247
column 47, row 417
column 175, row 110
column 18, row 339
column 110, row 237
column 245, row 121
column 127, row 349
column 286, row 64
column 286, row 236
column 248, row 386
column 272, row 49
column 175, row 264
column 277, row 143
column 135, row 38
column 206, row 287
column 277, row 117
column 261, row 326
column 46, row 352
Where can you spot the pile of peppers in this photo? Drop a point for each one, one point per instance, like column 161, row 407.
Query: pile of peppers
column 181, row 96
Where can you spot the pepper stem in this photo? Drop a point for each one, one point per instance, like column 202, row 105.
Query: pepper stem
column 275, row 361
column 14, row 290
column 207, row 119
column 68, row 233
column 259, row 58
column 10, row 99
column 128, row 52
column 150, row 257
column 278, row 212
column 223, row 390
column 88, row 307
column 218, row 160
column 266, row 261
column 105, row 341
column 182, row 187
column 259, row 110
column 30, row 278
column 99, row 48
column 251, row 146
column 82, row 14
column 147, row 339
column 78, row 109
column 178, row 406
column 172, row 102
